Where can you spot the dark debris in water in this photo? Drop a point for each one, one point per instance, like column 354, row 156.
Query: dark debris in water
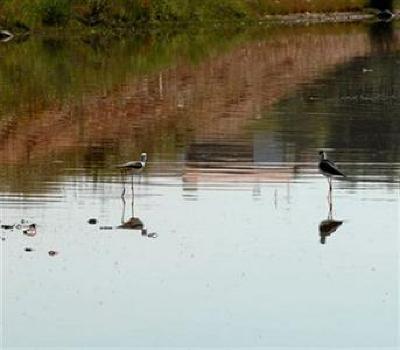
column 92, row 221
column 149, row 234
column 27, row 229
column 30, row 231
column 106, row 227
column 7, row 227
column 28, row 249
column 53, row 253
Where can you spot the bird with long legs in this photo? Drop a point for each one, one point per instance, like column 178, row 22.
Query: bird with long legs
column 328, row 169
column 134, row 167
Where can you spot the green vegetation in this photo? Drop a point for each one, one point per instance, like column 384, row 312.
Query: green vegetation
column 54, row 12
column 136, row 14
column 65, row 67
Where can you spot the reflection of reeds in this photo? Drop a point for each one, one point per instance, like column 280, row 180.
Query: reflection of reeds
column 215, row 98
column 163, row 110
column 237, row 172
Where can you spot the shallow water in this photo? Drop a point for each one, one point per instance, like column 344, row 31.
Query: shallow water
column 231, row 250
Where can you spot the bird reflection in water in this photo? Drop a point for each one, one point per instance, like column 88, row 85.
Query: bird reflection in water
column 133, row 223
column 328, row 226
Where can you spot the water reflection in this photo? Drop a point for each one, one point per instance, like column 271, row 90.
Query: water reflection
column 383, row 37
column 133, row 223
column 255, row 102
column 328, row 225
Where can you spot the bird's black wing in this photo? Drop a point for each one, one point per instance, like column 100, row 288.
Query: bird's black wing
column 130, row 165
column 329, row 167
column 137, row 165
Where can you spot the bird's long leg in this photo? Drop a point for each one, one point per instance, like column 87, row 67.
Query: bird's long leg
column 123, row 209
column 329, row 197
column 329, row 191
column 133, row 195
column 330, row 205
column 123, row 184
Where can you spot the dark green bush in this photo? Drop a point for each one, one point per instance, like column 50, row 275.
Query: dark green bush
column 132, row 11
column 54, row 12
column 170, row 10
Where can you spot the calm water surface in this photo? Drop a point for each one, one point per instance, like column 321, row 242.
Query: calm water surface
column 228, row 246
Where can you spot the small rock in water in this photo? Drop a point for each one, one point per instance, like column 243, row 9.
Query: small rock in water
column 92, row 221
column 31, row 231
column 28, row 249
column 52, row 252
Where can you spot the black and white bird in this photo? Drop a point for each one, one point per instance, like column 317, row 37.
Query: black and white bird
column 134, row 165
column 328, row 169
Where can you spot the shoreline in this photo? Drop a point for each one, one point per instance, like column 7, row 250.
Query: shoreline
column 329, row 17
column 110, row 30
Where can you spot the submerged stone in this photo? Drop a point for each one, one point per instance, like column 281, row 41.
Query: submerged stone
column 30, row 231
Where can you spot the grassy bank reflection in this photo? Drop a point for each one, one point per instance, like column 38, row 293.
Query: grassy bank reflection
column 89, row 105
